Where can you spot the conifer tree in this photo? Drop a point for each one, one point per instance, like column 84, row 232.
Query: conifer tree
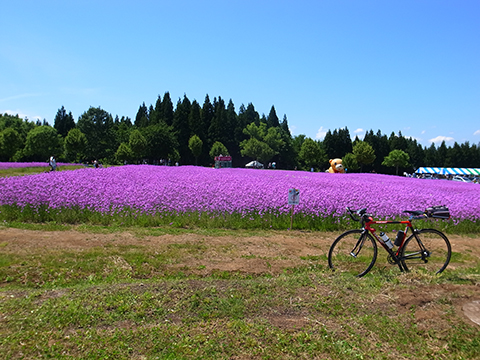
column 63, row 122
column 167, row 109
column 157, row 113
column 141, row 119
column 206, row 119
column 217, row 128
column 181, row 128
column 272, row 119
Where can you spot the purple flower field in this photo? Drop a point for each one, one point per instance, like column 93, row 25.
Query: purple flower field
column 156, row 189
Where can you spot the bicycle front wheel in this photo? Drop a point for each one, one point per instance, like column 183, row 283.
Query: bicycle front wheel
column 426, row 250
column 353, row 252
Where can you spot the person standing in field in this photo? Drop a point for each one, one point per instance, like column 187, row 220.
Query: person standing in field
column 52, row 163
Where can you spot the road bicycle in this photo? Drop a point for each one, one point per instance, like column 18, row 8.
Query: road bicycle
column 428, row 250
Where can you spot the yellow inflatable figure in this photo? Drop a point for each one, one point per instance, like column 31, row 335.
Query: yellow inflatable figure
column 336, row 166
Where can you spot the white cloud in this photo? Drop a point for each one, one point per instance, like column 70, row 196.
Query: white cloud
column 423, row 132
column 476, row 132
column 321, row 133
column 359, row 130
column 439, row 139
column 292, row 129
column 20, row 114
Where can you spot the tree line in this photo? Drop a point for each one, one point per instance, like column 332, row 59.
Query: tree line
column 191, row 133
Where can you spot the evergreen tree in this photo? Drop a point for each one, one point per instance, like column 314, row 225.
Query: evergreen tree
column 218, row 130
column 338, row 143
column 397, row 142
column 239, row 135
column 286, row 157
column 381, row 147
column 272, row 119
column 156, row 115
column 141, row 119
column 167, row 109
column 206, row 119
column 416, row 153
column 195, row 121
column 431, row 157
column 63, row 122
column 182, row 130
column 444, row 156
column 345, row 141
column 229, row 131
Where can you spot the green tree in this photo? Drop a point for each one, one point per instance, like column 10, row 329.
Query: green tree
column 122, row 128
column 124, row 153
column 161, row 142
column 195, row 145
column 364, row 153
column 350, row 163
column 217, row 129
column 263, row 144
column 311, row 154
column 141, row 119
column 272, row 119
column 381, row 147
column 63, row 122
column 338, row 143
column 273, row 138
column 431, row 158
column 75, row 145
column 257, row 150
column 137, row 144
column 43, row 142
column 10, row 143
column 98, row 127
column 181, row 128
column 396, row 158
column 218, row 149
column 155, row 115
column 167, row 109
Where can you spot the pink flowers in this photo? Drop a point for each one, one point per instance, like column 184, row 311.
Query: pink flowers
column 157, row 189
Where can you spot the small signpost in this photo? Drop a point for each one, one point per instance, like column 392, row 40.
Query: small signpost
column 293, row 199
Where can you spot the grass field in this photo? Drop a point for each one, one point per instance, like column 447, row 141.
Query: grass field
column 93, row 292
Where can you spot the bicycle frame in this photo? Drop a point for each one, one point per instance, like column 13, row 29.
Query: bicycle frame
column 367, row 222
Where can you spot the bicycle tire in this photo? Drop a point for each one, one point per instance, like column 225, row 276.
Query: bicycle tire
column 341, row 256
column 437, row 255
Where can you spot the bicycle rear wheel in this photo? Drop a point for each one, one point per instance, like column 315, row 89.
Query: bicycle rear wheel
column 426, row 250
column 354, row 252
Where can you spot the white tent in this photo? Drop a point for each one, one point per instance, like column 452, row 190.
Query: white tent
column 254, row 164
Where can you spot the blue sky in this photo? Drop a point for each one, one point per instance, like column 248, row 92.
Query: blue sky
column 409, row 66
